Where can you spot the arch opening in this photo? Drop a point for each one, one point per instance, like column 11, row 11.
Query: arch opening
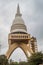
column 24, row 47
column 18, row 55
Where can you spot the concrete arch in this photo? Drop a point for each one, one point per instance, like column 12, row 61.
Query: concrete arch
column 23, row 46
column 11, row 49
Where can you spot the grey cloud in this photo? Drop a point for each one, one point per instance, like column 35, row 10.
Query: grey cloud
column 39, row 5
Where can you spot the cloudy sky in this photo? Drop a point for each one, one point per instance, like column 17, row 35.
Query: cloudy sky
column 32, row 13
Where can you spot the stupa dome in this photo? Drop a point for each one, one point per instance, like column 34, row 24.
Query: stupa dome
column 18, row 23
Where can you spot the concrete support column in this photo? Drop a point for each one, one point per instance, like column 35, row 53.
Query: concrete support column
column 9, row 41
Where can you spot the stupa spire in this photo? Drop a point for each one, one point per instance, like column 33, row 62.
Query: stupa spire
column 18, row 11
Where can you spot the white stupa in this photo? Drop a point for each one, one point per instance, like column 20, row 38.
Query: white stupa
column 18, row 23
column 18, row 37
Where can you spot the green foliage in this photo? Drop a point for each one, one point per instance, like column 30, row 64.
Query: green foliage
column 23, row 63
column 20, row 63
column 3, row 60
column 35, row 59
column 14, row 63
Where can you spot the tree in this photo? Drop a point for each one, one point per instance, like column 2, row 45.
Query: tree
column 35, row 58
column 23, row 63
column 14, row 63
column 3, row 60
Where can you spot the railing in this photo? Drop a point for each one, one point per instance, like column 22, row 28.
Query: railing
column 19, row 36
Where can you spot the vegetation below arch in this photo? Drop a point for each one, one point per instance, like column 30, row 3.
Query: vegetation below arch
column 34, row 59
